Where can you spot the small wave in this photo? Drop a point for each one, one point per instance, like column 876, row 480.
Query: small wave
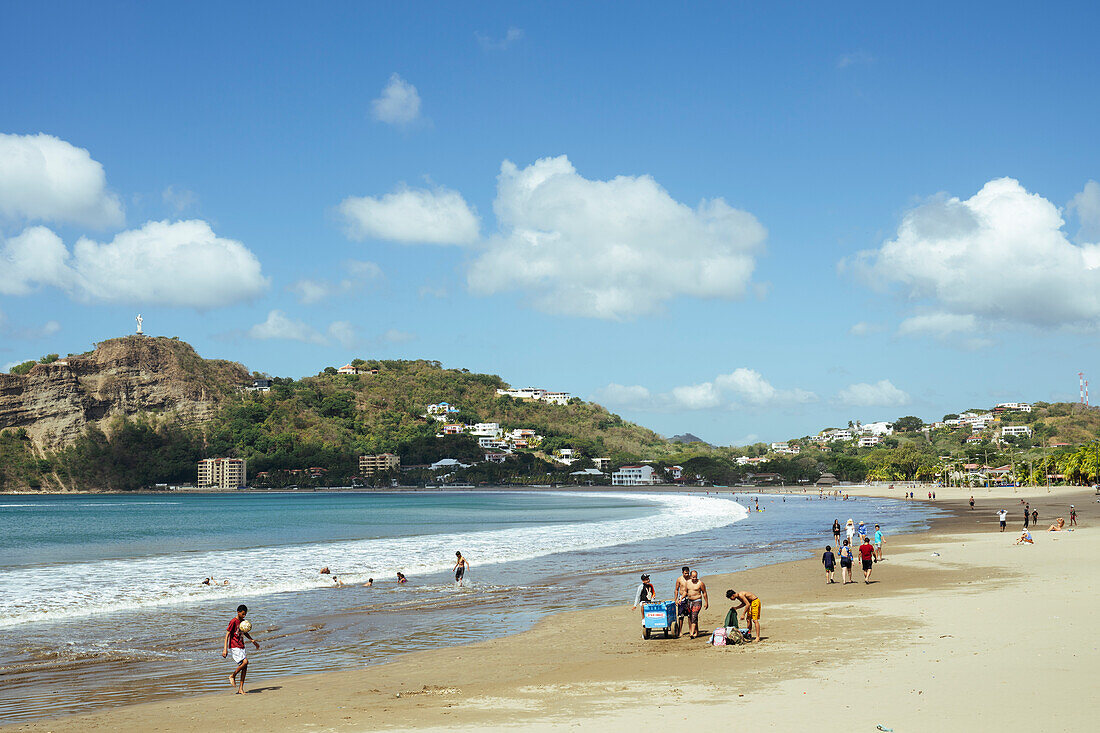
column 77, row 590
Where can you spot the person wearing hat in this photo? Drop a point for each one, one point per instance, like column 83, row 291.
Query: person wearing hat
column 646, row 592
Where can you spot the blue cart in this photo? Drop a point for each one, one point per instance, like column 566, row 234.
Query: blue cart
column 661, row 615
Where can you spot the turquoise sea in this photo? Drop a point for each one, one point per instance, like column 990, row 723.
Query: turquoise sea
column 102, row 595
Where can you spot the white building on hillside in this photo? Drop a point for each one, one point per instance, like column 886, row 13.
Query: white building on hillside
column 876, row 428
column 635, row 476
column 487, row 429
column 869, row 441
column 556, row 398
column 1010, row 430
column 1012, row 407
column 838, row 434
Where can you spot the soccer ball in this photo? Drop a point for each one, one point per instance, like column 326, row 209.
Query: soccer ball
column 246, row 626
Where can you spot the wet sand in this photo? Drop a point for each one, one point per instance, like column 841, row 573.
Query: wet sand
column 981, row 636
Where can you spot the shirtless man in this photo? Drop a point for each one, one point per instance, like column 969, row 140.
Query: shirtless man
column 460, row 568
column 751, row 604
column 679, row 593
column 696, row 600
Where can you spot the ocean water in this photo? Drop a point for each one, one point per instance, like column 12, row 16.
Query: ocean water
column 102, row 602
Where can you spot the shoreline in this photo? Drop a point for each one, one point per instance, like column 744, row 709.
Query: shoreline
column 596, row 653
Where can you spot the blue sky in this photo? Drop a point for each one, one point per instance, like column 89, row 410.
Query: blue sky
column 747, row 223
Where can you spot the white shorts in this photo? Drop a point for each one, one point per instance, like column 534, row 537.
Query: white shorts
column 237, row 655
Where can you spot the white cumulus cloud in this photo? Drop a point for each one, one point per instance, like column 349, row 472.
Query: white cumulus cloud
column 399, row 103
column 1086, row 204
column 168, row 263
column 279, row 326
column 494, row 44
column 357, row 276
column 880, row 394
column 746, row 387
column 1000, row 256
column 863, row 328
column 45, row 178
column 938, row 324
column 438, row 216
column 611, row 249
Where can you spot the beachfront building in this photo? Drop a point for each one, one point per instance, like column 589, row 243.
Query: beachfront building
column 1009, row 431
column 635, row 476
column 369, row 465
column 222, row 473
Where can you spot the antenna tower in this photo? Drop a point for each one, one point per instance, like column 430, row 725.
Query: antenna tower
column 1083, row 389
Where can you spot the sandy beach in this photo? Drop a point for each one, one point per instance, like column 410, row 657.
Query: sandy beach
column 961, row 630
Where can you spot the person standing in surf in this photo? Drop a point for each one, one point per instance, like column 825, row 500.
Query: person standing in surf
column 460, row 567
column 836, row 531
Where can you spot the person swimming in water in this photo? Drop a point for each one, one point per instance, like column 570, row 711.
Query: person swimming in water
column 401, row 578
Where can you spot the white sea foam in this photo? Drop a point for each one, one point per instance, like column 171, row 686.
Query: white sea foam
column 78, row 590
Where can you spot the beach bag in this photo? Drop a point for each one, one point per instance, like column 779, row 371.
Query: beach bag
column 734, row 636
column 718, row 636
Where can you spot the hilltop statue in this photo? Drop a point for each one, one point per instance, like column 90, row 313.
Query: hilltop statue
column 139, row 320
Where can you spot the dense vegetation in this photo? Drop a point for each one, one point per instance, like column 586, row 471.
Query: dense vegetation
column 310, row 432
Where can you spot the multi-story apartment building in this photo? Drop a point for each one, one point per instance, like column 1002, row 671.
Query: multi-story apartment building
column 369, row 465
column 222, row 473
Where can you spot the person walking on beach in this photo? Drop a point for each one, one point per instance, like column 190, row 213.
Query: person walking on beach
column 828, row 559
column 461, row 565
column 1002, row 517
column 836, row 532
column 878, row 543
column 846, row 563
column 972, row 503
column 1027, row 515
column 850, row 530
column 751, row 604
column 234, row 644
column 867, row 556
column 696, row 601
column 1072, row 516
column 646, row 592
column 1035, row 517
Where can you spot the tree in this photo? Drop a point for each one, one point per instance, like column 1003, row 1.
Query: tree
column 908, row 424
column 330, row 370
column 22, row 368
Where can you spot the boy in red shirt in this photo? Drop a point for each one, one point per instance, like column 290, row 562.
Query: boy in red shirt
column 234, row 642
column 867, row 555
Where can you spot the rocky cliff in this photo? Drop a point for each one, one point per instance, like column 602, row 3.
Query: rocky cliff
column 122, row 377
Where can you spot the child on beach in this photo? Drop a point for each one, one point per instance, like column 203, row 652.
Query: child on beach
column 1072, row 516
column 828, row 559
column 234, row 643
column 846, row 563
column 867, row 557
column 460, row 568
column 878, row 543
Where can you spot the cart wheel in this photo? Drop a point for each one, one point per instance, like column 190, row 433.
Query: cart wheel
column 678, row 628
column 645, row 632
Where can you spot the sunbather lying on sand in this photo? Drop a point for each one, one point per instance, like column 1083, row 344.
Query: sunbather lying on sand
column 1058, row 525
